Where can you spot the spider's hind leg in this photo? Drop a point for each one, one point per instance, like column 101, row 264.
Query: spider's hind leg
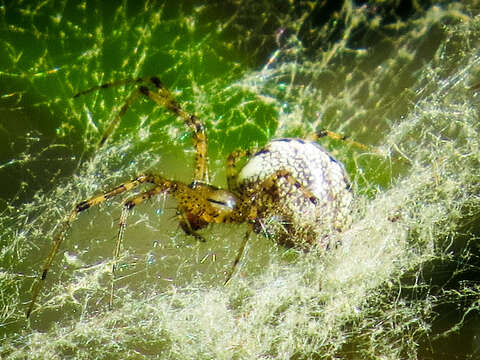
column 336, row 136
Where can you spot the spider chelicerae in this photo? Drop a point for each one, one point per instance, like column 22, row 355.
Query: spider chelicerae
column 291, row 190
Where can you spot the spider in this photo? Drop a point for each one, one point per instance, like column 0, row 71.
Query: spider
column 291, row 190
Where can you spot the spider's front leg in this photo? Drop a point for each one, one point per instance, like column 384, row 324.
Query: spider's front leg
column 80, row 207
column 162, row 186
column 162, row 96
column 155, row 90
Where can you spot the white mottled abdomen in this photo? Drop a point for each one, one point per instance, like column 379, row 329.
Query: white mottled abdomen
column 284, row 211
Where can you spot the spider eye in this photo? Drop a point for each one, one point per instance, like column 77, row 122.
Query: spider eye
column 224, row 200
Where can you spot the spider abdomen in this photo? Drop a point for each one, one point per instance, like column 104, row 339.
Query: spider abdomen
column 301, row 192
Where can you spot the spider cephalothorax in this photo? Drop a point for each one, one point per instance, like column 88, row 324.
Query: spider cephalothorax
column 291, row 190
column 204, row 205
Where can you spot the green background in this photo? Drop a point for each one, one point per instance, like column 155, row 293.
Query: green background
column 398, row 76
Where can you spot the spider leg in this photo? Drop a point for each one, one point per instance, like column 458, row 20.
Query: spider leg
column 188, row 200
column 82, row 206
column 130, row 100
column 187, row 227
column 232, row 161
column 163, row 97
column 111, row 84
column 113, row 124
column 336, row 136
column 128, row 205
column 48, row 262
column 269, row 185
column 238, row 257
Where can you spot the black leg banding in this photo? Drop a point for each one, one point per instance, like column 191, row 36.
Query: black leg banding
column 321, row 133
column 84, row 205
column 144, row 90
column 156, row 81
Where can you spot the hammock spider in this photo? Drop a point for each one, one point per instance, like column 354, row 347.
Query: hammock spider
column 291, row 190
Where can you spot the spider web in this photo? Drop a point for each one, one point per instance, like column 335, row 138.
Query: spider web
column 393, row 75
